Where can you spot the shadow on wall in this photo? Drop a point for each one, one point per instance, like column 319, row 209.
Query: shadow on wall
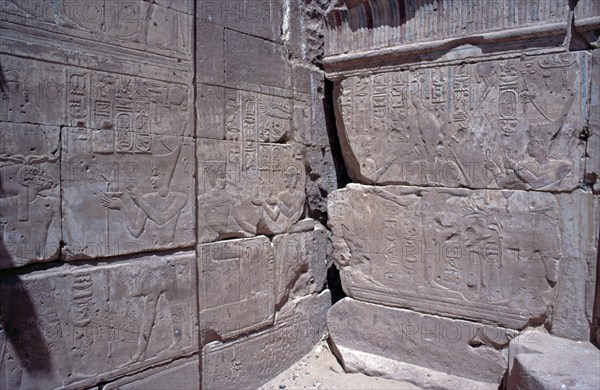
column 23, row 349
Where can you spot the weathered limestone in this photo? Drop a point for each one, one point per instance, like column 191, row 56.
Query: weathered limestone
column 77, row 326
column 435, row 352
column 250, row 361
column 126, row 192
column 248, row 188
column 491, row 256
column 30, row 210
column 508, row 124
column 538, row 360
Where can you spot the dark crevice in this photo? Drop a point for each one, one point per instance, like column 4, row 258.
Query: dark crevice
column 334, row 282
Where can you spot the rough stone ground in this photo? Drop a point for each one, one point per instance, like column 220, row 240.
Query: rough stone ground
column 321, row 370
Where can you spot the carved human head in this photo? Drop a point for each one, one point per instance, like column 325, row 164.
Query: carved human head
column 290, row 177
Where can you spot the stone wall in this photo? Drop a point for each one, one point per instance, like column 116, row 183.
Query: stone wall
column 470, row 130
column 164, row 168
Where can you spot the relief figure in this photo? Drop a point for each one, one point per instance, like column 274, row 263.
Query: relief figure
column 161, row 208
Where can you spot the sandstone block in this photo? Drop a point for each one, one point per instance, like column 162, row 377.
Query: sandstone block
column 184, row 374
column 507, row 124
column 248, row 188
column 538, row 360
column 30, row 211
column 126, row 192
column 249, row 58
column 423, row 349
column 77, row 326
column 301, row 263
column 491, row 256
column 236, row 287
column 248, row 362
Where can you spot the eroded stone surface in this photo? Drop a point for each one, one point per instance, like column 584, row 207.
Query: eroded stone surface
column 251, row 361
column 301, row 263
column 538, row 360
column 236, row 287
column 126, row 192
column 75, row 327
column 508, row 124
column 393, row 22
column 248, row 188
column 363, row 332
column 482, row 255
column 30, row 194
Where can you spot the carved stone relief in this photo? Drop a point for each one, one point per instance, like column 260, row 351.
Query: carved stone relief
column 74, row 327
column 509, row 124
column 489, row 256
column 248, row 188
column 126, row 192
column 153, row 27
column 421, row 21
column 250, row 361
column 29, row 194
column 52, row 94
column 244, row 115
column 236, row 287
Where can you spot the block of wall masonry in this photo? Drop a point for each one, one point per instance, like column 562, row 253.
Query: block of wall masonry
column 424, row 349
column 183, row 374
column 236, row 286
column 500, row 257
column 77, row 326
column 30, row 210
column 393, row 22
column 134, row 107
column 538, row 360
column 301, row 263
column 517, row 123
column 126, row 192
column 248, row 188
column 250, row 361
column 159, row 28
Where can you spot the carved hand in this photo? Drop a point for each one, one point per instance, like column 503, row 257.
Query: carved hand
column 111, row 203
column 133, row 192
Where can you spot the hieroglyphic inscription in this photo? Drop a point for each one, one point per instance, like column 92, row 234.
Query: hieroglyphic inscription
column 512, row 123
column 132, row 24
column 237, row 289
column 46, row 93
column 125, row 197
column 260, row 114
column 486, row 255
column 248, row 188
column 134, row 107
column 75, row 326
column 30, row 210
